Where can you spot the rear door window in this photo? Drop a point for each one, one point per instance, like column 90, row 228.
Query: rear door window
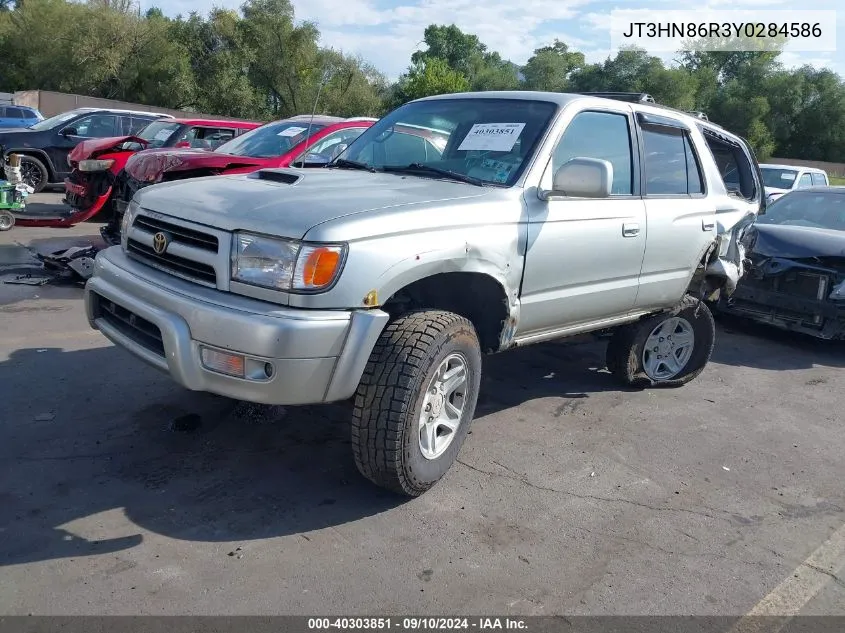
column 819, row 179
column 14, row 113
column 805, row 181
column 671, row 167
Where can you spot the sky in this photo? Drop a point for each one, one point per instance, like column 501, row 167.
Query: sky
column 386, row 32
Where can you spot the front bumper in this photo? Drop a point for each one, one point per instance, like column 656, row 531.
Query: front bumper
column 818, row 317
column 316, row 356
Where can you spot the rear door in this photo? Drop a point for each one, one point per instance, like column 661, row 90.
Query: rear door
column 681, row 218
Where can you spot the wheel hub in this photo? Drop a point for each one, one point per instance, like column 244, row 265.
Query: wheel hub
column 443, row 406
column 668, row 349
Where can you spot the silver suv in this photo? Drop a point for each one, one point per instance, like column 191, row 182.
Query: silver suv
column 457, row 225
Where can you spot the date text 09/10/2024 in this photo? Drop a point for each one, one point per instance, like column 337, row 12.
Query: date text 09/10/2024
column 416, row 624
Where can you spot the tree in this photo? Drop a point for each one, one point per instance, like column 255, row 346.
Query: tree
column 634, row 70
column 550, row 68
column 466, row 55
column 432, row 77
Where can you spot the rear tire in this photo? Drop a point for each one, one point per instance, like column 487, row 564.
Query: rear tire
column 34, row 173
column 667, row 350
column 416, row 401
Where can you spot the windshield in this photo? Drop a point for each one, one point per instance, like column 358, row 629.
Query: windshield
column 488, row 140
column 778, row 178
column 818, row 210
column 267, row 141
column 158, row 133
column 53, row 121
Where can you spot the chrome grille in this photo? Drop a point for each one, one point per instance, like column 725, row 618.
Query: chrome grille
column 191, row 253
column 181, row 265
column 191, row 237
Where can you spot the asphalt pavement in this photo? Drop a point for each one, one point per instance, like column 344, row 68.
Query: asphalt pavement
column 123, row 493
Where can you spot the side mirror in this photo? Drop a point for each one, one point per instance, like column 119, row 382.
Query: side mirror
column 583, row 178
column 69, row 131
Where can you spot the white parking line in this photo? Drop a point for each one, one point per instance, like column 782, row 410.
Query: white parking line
column 797, row 589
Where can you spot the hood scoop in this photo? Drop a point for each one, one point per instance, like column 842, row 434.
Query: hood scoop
column 276, row 175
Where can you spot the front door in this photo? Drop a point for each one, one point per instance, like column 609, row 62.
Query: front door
column 584, row 256
column 91, row 126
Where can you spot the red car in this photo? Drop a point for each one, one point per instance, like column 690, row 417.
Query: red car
column 300, row 141
column 96, row 163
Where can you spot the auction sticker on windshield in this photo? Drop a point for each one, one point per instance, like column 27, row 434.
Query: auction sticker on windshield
column 162, row 135
column 494, row 137
column 292, row 131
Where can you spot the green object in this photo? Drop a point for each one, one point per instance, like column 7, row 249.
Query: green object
column 10, row 198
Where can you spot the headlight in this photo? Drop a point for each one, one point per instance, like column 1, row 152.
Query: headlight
column 126, row 221
column 838, row 292
column 95, row 165
column 285, row 265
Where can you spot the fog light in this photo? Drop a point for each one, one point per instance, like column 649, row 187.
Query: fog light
column 268, row 370
column 222, row 362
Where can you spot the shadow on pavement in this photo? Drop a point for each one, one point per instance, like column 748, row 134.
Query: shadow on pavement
column 743, row 343
column 194, row 466
column 93, row 431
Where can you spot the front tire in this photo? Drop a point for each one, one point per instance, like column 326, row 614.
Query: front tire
column 416, row 401
column 668, row 350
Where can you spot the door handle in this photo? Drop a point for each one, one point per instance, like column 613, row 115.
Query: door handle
column 707, row 225
column 630, row 230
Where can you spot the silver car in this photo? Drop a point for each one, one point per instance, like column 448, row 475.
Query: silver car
column 457, row 225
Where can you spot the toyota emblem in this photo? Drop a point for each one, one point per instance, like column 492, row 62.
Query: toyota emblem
column 160, row 242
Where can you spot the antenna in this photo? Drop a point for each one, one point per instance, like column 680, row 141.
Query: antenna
column 323, row 81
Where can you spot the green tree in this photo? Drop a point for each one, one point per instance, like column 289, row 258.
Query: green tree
column 432, row 77
column 550, row 68
column 466, row 55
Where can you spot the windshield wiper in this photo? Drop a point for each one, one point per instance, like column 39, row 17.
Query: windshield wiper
column 419, row 167
column 351, row 164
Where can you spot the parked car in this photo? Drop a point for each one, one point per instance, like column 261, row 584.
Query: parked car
column 276, row 144
column 385, row 276
column 15, row 116
column 96, row 164
column 796, row 279
column 779, row 179
column 45, row 146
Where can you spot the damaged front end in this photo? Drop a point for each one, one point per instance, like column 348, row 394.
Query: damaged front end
column 793, row 285
column 725, row 263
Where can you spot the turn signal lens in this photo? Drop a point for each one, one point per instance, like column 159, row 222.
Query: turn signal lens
column 317, row 267
column 230, row 364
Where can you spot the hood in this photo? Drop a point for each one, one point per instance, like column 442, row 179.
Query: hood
column 289, row 202
column 149, row 165
column 95, row 146
column 795, row 242
column 16, row 135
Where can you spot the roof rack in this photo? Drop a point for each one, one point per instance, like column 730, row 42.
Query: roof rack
column 633, row 97
column 644, row 97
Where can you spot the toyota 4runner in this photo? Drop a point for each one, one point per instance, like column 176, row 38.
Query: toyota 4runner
column 517, row 217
